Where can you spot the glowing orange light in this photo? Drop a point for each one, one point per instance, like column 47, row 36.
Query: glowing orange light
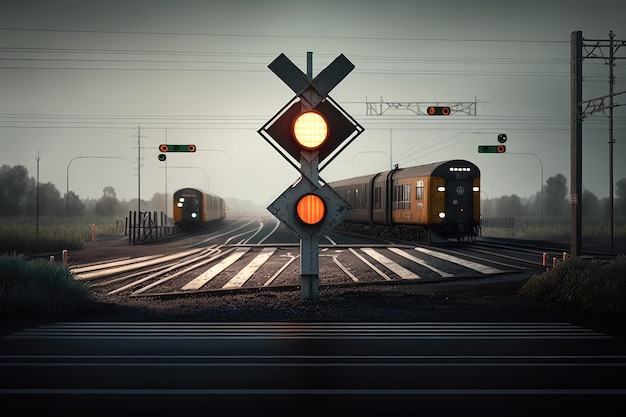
column 438, row 110
column 311, row 209
column 310, row 130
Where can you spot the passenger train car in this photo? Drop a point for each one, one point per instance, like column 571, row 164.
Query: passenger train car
column 428, row 203
column 194, row 208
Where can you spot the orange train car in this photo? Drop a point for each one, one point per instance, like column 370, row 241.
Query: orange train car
column 194, row 208
column 428, row 203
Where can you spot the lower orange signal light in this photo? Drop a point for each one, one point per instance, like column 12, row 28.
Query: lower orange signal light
column 191, row 148
column 311, row 209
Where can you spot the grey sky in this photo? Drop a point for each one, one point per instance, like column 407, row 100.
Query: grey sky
column 79, row 78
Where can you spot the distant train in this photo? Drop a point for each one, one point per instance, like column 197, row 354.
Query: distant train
column 194, row 208
column 428, row 203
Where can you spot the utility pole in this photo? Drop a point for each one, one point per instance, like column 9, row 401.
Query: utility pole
column 165, row 198
column 590, row 49
column 37, row 198
column 139, row 172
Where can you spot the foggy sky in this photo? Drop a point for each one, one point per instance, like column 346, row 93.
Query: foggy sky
column 91, row 87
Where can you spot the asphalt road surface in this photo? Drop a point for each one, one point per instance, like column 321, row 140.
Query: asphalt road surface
column 302, row 369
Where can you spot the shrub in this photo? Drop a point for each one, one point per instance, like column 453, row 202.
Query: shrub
column 40, row 289
column 594, row 287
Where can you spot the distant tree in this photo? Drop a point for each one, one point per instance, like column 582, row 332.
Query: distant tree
column 108, row 205
column 47, row 197
column 592, row 209
column 158, row 203
column 109, row 192
column 509, row 206
column 74, row 207
column 487, row 208
column 15, row 187
column 534, row 205
column 555, row 191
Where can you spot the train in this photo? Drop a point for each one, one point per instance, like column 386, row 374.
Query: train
column 194, row 208
column 430, row 203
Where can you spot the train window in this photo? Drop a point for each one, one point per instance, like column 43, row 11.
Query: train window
column 360, row 202
column 419, row 190
column 402, row 194
column 378, row 198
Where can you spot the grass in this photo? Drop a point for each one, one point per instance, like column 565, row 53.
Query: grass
column 592, row 287
column 590, row 232
column 40, row 289
column 22, row 235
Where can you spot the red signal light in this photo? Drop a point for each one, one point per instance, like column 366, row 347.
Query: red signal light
column 311, row 209
column 438, row 111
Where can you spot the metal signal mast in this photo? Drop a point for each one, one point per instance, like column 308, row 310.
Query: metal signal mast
column 421, row 108
column 581, row 49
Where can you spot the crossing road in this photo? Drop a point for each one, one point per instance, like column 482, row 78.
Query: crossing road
column 159, row 368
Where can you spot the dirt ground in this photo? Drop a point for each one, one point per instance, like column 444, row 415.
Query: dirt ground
column 490, row 299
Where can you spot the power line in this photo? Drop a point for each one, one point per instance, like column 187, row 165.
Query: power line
column 290, row 36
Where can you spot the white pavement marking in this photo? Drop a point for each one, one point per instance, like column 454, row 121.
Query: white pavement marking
column 136, row 263
column 281, row 269
column 420, row 262
column 212, row 272
column 111, row 263
column 460, row 261
column 244, row 275
column 391, row 265
column 371, row 265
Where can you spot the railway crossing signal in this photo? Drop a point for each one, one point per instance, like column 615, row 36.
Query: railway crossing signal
column 491, row 149
column 310, row 129
column 177, row 148
column 438, row 111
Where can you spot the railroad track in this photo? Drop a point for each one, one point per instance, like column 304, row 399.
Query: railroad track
column 238, row 258
column 245, row 266
column 532, row 253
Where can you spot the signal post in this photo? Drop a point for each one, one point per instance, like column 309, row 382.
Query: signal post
column 309, row 130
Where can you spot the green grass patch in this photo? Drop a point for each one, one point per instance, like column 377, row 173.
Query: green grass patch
column 40, row 289
column 593, row 287
column 22, row 235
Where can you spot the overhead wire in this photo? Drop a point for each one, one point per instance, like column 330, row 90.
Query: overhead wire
column 112, row 121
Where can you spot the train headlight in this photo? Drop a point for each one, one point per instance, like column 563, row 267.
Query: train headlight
column 442, row 215
column 181, row 200
column 475, row 189
column 194, row 215
column 179, row 204
column 441, row 188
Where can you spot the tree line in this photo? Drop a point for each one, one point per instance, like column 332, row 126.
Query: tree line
column 20, row 195
column 556, row 205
